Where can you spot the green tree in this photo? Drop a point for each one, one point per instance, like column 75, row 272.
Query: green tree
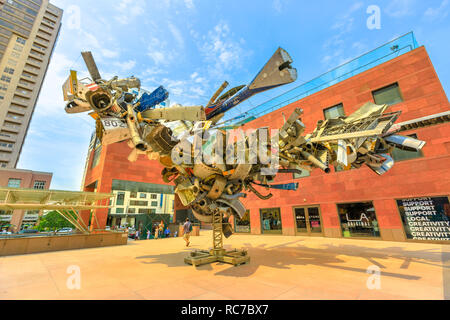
column 53, row 221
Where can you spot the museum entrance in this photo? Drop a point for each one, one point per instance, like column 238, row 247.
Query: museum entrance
column 308, row 221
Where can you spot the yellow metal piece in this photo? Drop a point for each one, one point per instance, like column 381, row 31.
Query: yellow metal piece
column 349, row 166
column 132, row 126
column 70, row 86
column 31, row 199
column 94, row 115
column 217, row 253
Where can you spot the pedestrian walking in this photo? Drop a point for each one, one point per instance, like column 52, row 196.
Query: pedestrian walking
column 187, row 228
column 136, row 236
column 156, row 232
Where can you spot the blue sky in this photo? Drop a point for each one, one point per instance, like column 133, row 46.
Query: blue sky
column 192, row 46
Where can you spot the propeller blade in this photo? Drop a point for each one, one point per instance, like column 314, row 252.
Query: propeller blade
column 90, row 64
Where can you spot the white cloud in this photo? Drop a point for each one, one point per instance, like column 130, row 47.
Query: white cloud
column 345, row 22
column 400, row 8
column 437, row 13
column 177, row 35
column 221, row 50
column 126, row 66
column 51, row 100
column 335, row 47
column 110, row 53
column 158, row 51
column 276, row 4
column 129, row 10
column 189, row 4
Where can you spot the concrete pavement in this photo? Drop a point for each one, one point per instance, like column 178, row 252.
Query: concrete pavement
column 280, row 268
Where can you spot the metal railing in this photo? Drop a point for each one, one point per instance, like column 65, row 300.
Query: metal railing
column 384, row 53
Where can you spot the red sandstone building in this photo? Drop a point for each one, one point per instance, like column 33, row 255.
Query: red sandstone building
column 355, row 203
column 25, row 179
column 109, row 171
column 358, row 203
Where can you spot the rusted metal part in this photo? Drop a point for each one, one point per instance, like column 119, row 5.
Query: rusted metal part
column 259, row 195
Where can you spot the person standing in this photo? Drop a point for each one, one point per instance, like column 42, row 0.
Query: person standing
column 167, row 233
column 148, row 234
column 161, row 233
column 156, row 232
column 187, row 228
column 136, row 236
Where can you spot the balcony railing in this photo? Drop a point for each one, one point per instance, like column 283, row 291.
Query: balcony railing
column 14, row 118
column 19, row 110
column 31, row 69
column 21, row 101
column 48, row 29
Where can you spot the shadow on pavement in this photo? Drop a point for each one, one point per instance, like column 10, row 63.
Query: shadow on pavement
column 292, row 253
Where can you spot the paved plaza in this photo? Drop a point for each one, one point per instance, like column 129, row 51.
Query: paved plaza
column 280, row 268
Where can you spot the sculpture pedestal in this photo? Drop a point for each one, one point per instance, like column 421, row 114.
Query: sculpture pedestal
column 218, row 253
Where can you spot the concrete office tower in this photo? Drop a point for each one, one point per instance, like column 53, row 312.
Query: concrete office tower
column 28, row 33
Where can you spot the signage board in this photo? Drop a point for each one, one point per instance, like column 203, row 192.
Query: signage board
column 426, row 218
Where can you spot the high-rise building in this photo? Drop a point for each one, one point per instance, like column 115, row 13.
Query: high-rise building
column 28, row 33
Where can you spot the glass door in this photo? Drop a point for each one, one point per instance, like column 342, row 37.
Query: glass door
column 300, row 220
column 308, row 221
column 315, row 225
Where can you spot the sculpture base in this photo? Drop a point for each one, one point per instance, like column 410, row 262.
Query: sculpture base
column 202, row 257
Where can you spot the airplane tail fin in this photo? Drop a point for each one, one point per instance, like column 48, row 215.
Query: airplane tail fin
column 276, row 72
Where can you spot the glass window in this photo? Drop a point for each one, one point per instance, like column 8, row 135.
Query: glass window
column 388, row 95
column 14, row 183
column 131, row 210
column 120, row 199
column 6, row 78
column 271, row 221
column 334, row 112
column 304, row 174
column 133, row 195
column 401, row 155
column 138, row 203
column 242, row 225
column 143, row 196
column 426, row 218
column 119, row 210
column 21, row 40
column 39, row 185
column 154, row 203
column 154, row 196
column 358, row 220
column 147, row 211
column 96, row 158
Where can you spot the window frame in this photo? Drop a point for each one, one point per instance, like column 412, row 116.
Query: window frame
column 14, row 179
column 332, row 107
column 386, row 87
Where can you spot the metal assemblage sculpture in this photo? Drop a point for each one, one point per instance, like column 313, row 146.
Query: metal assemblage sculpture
column 212, row 171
